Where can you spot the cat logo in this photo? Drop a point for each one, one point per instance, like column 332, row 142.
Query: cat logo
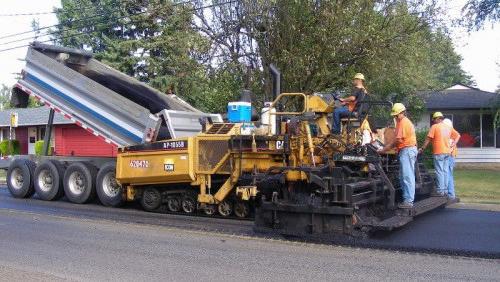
column 168, row 165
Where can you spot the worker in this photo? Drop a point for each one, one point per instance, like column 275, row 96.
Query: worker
column 451, row 163
column 440, row 135
column 349, row 104
column 406, row 145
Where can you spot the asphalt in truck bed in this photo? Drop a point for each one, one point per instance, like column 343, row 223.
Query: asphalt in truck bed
column 449, row 231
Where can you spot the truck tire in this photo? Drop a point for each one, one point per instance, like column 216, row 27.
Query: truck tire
column 20, row 178
column 79, row 182
column 110, row 193
column 49, row 180
column 151, row 199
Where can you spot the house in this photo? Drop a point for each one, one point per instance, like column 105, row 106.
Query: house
column 67, row 138
column 472, row 112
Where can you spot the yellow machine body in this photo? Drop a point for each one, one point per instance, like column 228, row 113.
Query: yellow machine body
column 222, row 152
column 145, row 167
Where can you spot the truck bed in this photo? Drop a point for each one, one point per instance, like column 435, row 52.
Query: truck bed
column 106, row 102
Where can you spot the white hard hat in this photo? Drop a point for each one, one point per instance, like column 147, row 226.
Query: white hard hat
column 448, row 122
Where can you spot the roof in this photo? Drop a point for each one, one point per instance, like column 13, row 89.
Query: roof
column 31, row 116
column 459, row 97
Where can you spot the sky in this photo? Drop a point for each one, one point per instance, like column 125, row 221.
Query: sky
column 480, row 50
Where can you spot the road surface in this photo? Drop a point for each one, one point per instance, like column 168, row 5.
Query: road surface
column 62, row 241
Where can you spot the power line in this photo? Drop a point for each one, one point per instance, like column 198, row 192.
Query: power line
column 77, row 21
column 26, row 14
column 59, row 24
column 72, row 28
column 51, row 32
column 86, row 33
column 47, row 27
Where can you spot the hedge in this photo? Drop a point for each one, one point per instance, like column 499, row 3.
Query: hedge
column 39, row 148
column 427, row 154
column 10, row 147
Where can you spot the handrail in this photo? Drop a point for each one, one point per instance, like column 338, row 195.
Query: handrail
column 289, row 113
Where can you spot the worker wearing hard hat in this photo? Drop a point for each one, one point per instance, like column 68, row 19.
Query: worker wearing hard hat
column 349, row 103
column 406, row 145
column 440, row 135
column 451, row 163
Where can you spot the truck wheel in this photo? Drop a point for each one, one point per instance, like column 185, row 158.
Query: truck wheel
column 48, row 180
column 210, row 209
column 174, row 203
column 20, row 178
column 151, row 199
column 79, row 182
column 225, row 208
column 110, row 193
column 188, row 204
column 241, row 209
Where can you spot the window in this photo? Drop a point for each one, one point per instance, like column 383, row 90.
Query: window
column 41, row 132
column 6, row 134
column 488, row 131
column 476, row 129
column 469, row 127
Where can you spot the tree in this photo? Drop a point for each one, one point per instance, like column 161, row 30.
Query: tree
column 4, row 97
column 211, row 49
column 478, row 12
column 150, row 40
column 319, row 45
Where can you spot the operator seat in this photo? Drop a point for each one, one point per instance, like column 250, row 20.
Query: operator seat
column 360, row 111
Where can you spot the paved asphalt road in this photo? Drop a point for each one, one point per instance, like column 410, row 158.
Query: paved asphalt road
column 60, row 241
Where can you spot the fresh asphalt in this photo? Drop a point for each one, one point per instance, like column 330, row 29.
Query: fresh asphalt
column 47, row 247
column 450, row 231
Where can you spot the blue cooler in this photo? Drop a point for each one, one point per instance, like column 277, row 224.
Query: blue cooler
column 239, row 111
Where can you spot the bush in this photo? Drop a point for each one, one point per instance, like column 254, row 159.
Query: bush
column 10, row 147
column 427, row 157
column 39, row 148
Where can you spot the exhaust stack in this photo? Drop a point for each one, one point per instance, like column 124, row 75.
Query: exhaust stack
column 276, row 74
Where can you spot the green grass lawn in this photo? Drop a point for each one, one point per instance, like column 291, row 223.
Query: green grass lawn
column 478, row 186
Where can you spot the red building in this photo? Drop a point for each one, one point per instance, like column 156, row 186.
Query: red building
column 67, row 138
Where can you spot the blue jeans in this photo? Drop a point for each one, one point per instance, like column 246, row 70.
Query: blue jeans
column 407, row 159
column 339, row 113
column 451, row 183
column 441, row 166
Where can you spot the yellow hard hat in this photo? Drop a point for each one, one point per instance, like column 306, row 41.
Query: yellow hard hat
column 359, row 76
column 437, row 115
column 397, row 108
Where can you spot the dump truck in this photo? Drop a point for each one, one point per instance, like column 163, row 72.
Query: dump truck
column 286, row 171
column 114, row 107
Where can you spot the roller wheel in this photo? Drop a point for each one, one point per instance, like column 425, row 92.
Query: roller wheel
column 49, row 180
column 242, row 209
column 20, row 180
column 188, row 204
column 210, row 209
column 151, row 199
column 174, row 204
column 225, row 208
column 79, row 182
column 110, row 193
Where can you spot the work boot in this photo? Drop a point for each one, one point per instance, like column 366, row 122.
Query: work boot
column 437, row 194
column 405, row 205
